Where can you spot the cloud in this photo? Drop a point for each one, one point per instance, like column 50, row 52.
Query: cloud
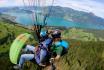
column 3, row 2
column 94, row 6
column 8, row 3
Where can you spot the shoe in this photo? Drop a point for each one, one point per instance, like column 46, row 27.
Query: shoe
column 42, row 65
column 17, row 67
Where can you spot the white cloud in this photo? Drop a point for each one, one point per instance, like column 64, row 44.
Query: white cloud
column 94, row 6
column 3, row 3
column 6, row 3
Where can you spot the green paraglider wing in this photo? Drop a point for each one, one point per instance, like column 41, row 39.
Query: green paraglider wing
column 16, row 47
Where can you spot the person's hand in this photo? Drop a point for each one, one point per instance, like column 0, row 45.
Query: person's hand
column 33, row 28
column 52, row 60
column 50, row 31
column 57, row 57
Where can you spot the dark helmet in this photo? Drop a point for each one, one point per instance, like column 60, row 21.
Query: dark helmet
column 56, row 33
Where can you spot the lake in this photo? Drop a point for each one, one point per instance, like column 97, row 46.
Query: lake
column 27, row 19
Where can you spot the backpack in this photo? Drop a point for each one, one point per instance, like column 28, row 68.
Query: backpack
column 62, row 43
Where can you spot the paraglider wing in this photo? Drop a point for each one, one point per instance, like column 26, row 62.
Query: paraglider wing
column 16, row 47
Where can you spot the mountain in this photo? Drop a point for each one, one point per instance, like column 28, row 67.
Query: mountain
column 69, row 14
column 15, row 9
column 76, row 16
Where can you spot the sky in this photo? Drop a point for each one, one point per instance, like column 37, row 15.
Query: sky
column 94, row 6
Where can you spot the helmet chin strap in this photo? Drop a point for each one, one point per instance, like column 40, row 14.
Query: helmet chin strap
column 43, row 38
column 57, row 39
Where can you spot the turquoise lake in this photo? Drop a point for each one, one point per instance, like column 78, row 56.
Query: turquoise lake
column 26, row 19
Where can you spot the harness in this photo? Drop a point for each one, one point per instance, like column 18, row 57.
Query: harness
column 43, row 46
column 46, row 44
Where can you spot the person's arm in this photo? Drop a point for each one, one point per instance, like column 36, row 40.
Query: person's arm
column 59, row 52
column 57, row 57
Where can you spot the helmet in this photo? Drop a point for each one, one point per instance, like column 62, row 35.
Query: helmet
column 56, row 33
column 43, row 33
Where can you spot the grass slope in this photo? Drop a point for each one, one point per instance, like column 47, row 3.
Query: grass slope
column 85, row 56
column 78, row 34
column 85, row 52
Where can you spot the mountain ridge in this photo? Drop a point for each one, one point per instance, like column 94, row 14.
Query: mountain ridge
column 63, row 12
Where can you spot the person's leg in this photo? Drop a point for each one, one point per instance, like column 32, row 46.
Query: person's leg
column 43, row 54
column 29, row 48
column 25, row 57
